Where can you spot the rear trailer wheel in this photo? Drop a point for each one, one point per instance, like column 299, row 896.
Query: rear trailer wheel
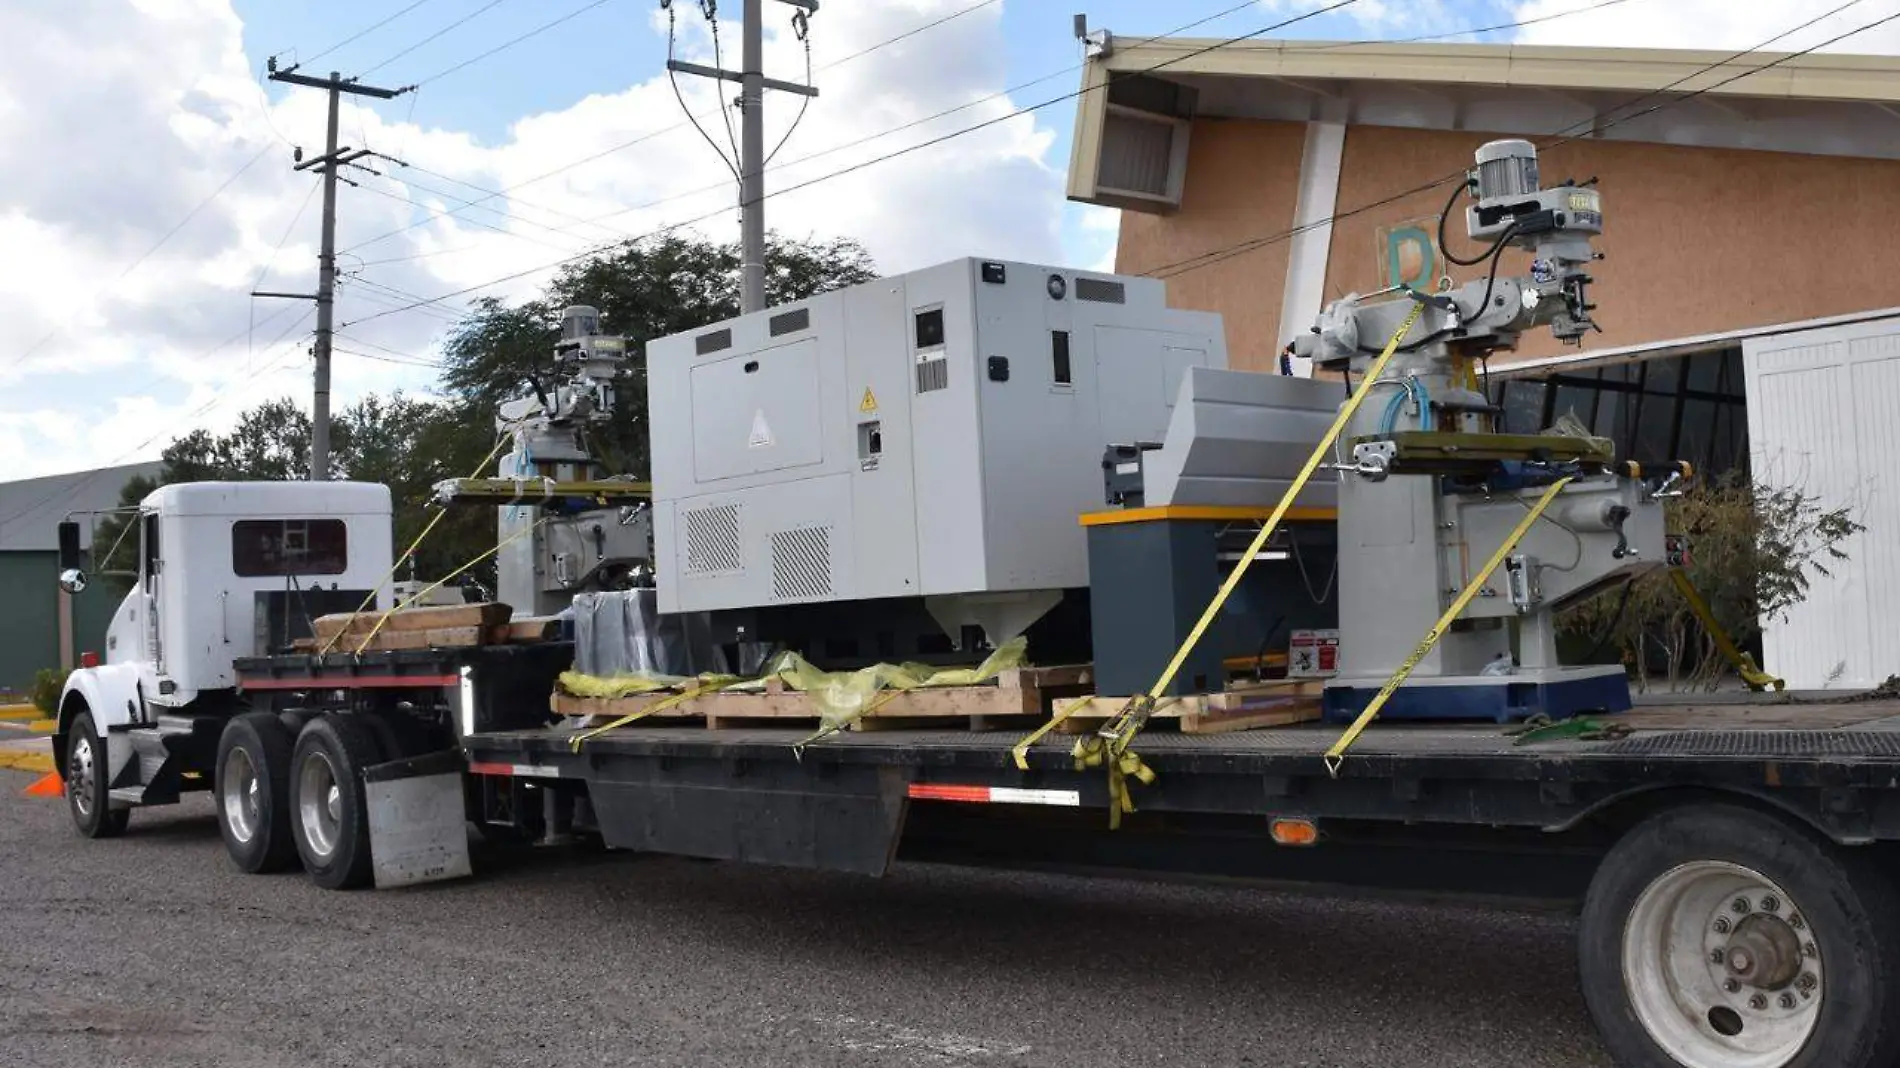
column 88, row 785
column 330, row 820
column 1722, row 937
column 253, row 785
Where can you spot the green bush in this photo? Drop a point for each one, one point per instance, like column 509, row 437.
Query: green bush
column 1754, row 550
column 48, row 684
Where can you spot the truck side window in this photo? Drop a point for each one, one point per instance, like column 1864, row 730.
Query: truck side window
column 265, row 547
column 148, row 556
column 1059, row 357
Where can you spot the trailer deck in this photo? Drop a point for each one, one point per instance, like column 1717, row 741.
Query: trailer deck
column 682, row 788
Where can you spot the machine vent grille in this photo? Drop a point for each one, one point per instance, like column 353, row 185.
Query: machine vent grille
column 712, row 540
column 933, row 375
column 801, row 563
column 790, row 322
column 1101, row 291
column 713, row 342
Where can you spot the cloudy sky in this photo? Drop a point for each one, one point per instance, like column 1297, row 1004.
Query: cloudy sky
column 148, row 183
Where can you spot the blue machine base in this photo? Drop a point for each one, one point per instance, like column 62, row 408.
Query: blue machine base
column 1503, row 701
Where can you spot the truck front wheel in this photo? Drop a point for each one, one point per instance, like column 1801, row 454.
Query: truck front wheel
column 88, row 786
column 330, row 814
column 253, row 784
column 1722, row 937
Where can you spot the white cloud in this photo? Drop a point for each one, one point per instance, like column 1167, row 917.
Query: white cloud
column 101, row 167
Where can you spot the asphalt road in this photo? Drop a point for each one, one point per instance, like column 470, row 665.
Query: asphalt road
column 154, row 951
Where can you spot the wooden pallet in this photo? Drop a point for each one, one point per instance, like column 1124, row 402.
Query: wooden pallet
column 1275, row 703
column 1019, row 697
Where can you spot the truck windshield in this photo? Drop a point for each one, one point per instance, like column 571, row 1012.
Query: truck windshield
column 265, row 547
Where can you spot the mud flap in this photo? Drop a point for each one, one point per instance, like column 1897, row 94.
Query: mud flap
column 843, row 818
column 418, row 820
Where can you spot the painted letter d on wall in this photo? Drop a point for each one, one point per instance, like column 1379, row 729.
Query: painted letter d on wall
column 1407, row 255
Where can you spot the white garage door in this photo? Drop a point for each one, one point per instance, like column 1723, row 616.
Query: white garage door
column 1824, row 416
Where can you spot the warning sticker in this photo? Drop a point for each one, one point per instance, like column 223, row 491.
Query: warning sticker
column 1313, row 653
column 869, row 403
column 761, row 436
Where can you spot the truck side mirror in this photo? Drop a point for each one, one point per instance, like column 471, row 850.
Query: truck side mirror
column 69, row 546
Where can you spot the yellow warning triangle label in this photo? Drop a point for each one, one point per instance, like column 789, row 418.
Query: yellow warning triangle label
column 869, row 403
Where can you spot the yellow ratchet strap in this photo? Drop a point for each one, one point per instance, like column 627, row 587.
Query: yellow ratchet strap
column 1108, row 748
column 701, row 690
column 1744, row 664
column 410, row 552
column 1336, row 756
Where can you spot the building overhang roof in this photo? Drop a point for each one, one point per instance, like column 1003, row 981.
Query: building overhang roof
column 1824, row 104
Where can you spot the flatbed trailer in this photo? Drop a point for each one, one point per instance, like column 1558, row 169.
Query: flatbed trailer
column 1733, row 864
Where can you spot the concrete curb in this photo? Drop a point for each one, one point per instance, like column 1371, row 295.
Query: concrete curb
column 26, row 760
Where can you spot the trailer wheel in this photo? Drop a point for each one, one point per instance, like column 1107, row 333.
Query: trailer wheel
column 330, row 813
column 88, row 789
column 253, row 785
column 1722, row 937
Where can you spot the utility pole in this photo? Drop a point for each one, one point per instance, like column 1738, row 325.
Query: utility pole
column 334, row 156
column 751, row 164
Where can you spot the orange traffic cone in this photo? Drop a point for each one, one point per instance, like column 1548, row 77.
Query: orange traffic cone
column 47, row 785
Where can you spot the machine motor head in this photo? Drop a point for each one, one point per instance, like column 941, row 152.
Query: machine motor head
column 1510, row 196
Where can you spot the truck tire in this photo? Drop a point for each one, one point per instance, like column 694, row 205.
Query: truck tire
column 253, row 790
column 1717, row 935
column 88, row 782
column 330, row 815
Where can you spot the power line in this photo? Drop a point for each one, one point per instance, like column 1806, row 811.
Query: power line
column 508, row 191
column 1575, row 132
column 465, row 219
column 510, row 43
column 160, row 243
column 352, row 38
column 599, row 220
column 278, row 248
column 64, row 493
column 1473, row 32
column 478, row 12
column 1014, row 113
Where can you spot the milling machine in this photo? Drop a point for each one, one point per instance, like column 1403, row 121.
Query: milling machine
column 566, row 526
column 1431, row 485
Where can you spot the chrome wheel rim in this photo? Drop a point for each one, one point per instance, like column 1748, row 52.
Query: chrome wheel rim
column 319, row 803
column 81, row 770
column 239, row 792
column 1722, row 968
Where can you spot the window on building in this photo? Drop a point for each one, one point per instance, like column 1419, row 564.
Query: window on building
column 1667, row 408
column 265, row 547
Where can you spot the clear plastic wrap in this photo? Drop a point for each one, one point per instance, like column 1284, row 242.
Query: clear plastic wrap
column 623, row 633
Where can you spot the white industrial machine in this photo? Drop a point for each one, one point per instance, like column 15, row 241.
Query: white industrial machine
column 823, row 469
column 1431, row 487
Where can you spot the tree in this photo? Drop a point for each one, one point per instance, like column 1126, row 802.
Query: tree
column 1754, row 551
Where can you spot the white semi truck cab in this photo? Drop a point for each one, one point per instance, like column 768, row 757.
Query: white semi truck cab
column 225, row 570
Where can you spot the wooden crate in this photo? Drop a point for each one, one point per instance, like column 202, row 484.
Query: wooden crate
column 1276, row 703
column 440, row 618
column 1018, row 697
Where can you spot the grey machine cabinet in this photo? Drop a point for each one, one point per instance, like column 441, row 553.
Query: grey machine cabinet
column 909, row 452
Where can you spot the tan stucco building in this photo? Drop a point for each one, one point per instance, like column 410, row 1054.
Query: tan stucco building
column 1750, row 315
